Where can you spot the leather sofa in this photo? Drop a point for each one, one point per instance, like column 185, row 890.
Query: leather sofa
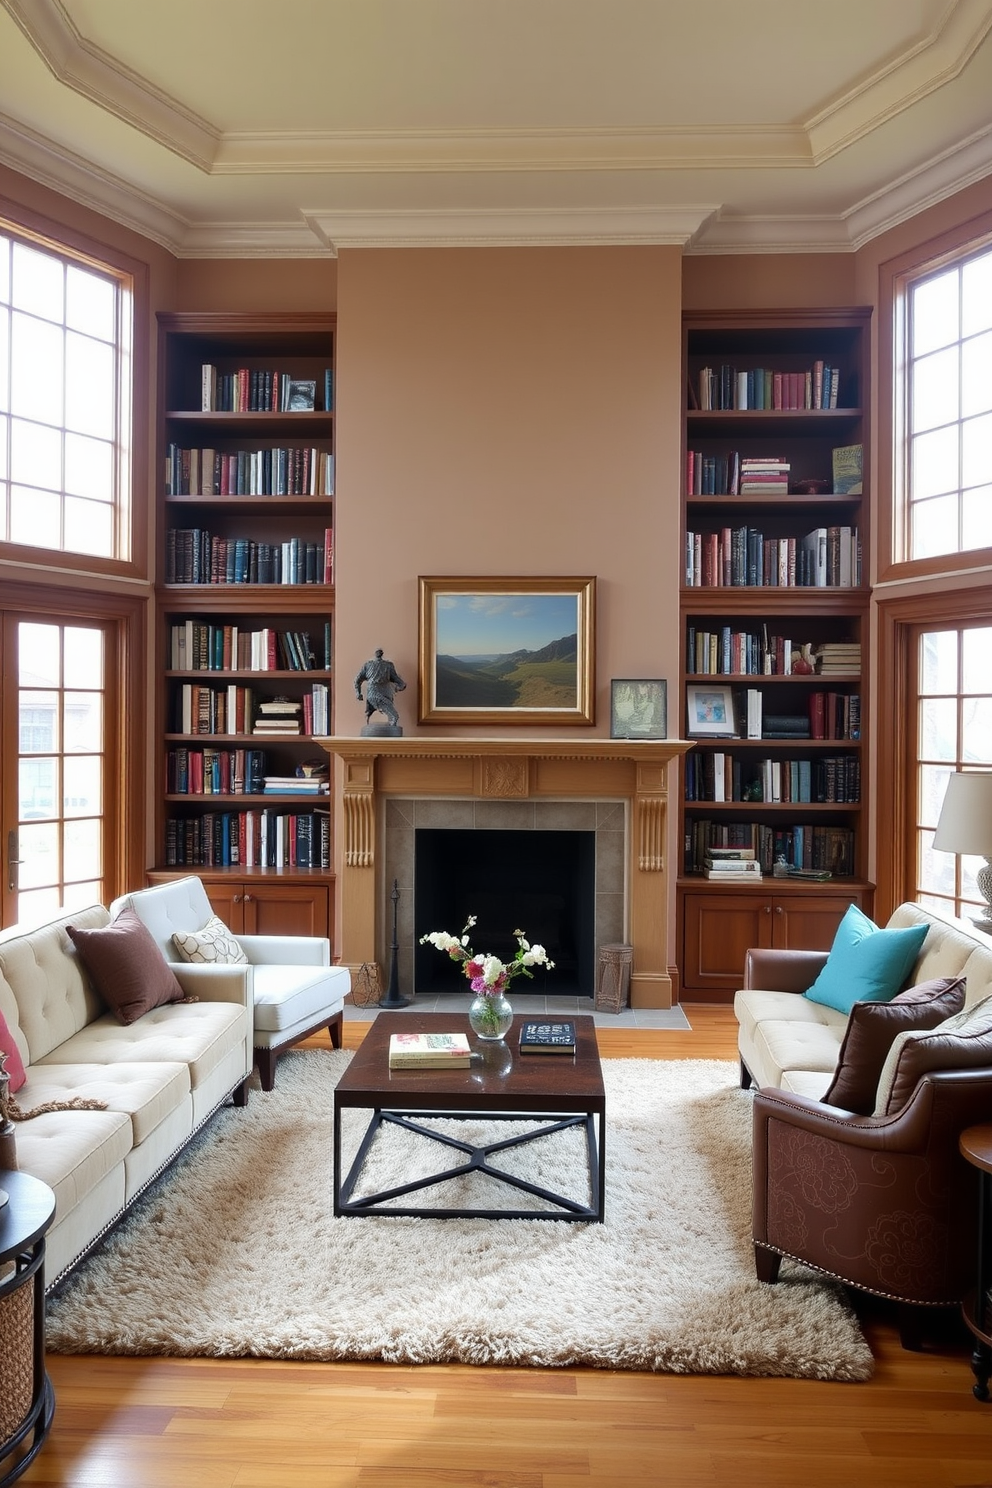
column 151, row 1084
column 788, row 1042
column 857, row 1170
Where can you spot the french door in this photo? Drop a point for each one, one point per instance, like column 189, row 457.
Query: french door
column 60, row 764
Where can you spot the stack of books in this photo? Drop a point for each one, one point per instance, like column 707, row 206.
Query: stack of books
column 429, row 1051
column 764, row 477
column 279, row 716
column 839, row 659
column 731, row 864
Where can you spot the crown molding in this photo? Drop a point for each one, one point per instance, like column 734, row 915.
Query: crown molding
column 934, row 61
column 108, row 83
column 89, row 186
column 511, row 228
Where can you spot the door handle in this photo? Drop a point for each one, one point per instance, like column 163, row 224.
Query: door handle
column 13, row 861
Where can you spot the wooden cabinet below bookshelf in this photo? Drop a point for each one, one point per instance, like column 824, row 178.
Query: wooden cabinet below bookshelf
column 719, row 925
column 266, row 906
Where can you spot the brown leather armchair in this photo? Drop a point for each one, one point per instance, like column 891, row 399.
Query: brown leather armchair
column 883, row 1203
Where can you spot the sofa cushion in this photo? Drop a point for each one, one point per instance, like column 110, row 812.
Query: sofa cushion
column 959, row 1043
column 15, row 1064
column 871, row 1028
column 126, row 967
column 199, row 1035
column 214, row 944
column 865, row 963
column 146, row 1092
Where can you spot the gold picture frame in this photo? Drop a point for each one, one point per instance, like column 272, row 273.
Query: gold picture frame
column 476, row 635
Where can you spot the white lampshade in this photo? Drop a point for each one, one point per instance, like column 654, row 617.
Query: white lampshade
column 965, row 824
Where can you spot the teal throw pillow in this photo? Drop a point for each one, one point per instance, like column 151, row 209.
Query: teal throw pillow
column 865, row 964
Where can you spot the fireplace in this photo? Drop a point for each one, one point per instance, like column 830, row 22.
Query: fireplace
column 544, row 882
column 388, row 789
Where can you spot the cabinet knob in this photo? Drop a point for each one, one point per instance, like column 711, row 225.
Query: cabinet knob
column 766, row 909
column 779, row 909
column 248, row 899
column 237, row 899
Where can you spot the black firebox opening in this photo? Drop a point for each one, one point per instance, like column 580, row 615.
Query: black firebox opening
column 543, row 883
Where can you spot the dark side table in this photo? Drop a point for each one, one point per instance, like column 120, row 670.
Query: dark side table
column 976, row 1148
column 27, row 1401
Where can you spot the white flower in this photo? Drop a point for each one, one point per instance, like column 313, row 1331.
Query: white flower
column 536, row 956
column 441, row 940
column 492, row 969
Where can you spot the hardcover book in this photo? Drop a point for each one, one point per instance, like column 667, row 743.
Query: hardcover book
column 548, row 1038
column 429, row 1051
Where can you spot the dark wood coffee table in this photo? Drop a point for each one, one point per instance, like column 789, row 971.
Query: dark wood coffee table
column 561, row 1090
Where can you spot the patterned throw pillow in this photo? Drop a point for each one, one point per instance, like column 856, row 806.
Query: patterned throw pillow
column 214, row 945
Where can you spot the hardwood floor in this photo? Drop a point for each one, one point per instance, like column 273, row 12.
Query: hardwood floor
column 206, row 1423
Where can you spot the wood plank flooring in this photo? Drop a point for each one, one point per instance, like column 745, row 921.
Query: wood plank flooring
column 206, row 1423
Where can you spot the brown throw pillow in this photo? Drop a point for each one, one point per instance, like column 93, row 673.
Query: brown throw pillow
column 871, row 1029
column 126, row 967
column 963, row 1042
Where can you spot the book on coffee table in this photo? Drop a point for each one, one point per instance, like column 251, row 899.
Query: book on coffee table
column 429, row 1051
column 541, row 1037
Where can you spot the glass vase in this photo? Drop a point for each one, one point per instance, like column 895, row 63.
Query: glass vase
column 490, row 1015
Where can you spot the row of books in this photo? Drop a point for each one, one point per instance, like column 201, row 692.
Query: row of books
column 252, row 838
column 742, row 557
column 215, row 772
column 825, row 780
column 234, row 709
column 296, row 471
column 204, row 646
column 797, row 845
column 195, row 556
column 728, row 651
column 261, row 390
column 730, row 387
column 825, row 715
column 734, row 474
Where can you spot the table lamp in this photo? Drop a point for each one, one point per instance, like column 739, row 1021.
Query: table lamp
column 965, row 826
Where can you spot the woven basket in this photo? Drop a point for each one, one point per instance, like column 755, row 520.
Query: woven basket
column 613, row 990
column 16, row 1357
column 366, row 985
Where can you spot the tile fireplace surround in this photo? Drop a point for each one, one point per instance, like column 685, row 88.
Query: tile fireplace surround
column 542, row 773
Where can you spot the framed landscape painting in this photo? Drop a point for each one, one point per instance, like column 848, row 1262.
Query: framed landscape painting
column 497, row 650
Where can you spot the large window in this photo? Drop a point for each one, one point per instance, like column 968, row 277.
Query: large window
column 65, row 400
column 954, row 732
column 944, row 450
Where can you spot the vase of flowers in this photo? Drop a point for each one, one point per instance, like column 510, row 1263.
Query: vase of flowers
column 490, row 1013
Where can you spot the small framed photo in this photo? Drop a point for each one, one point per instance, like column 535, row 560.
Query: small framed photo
column 301, row 396
column 710, row 713
column 638, row 708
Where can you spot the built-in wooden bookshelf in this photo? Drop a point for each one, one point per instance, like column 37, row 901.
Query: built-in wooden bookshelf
column 774, row 607
column 245, row 603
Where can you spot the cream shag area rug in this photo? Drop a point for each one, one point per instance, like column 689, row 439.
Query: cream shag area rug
column 236, row 1252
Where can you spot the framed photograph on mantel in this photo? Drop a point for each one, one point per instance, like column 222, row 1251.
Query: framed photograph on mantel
column 710, row 713
column 505, row 650
column 638, row 709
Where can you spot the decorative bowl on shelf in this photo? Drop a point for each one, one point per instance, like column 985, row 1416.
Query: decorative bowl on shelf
column 811, row 488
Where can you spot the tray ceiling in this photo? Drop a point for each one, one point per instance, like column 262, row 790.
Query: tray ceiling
column 239, row 127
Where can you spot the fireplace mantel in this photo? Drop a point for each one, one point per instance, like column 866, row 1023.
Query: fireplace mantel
column 370, row 768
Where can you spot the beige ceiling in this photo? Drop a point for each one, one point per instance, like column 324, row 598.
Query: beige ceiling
column 254, row 128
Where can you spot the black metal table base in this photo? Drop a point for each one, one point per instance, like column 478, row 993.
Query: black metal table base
column 477, row 1161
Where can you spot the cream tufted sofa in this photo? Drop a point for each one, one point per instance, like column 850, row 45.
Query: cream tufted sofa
column 160, row 1078
column 790, row 1043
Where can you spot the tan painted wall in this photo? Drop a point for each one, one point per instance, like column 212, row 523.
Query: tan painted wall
column 508, row 411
